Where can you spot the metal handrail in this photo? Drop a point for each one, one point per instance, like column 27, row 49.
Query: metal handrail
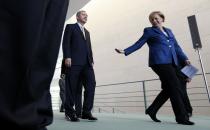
column 138, row 81
column 145, row 96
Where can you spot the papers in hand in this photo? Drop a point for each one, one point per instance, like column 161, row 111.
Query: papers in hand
column 189, row 71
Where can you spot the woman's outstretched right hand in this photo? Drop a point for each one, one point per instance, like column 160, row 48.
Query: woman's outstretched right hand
column 119, row 51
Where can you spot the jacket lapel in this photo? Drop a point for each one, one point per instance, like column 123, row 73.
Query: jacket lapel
column 157, row 30
column 160, row 32
column 79, row 30
column 86, row 33
column 168, row 32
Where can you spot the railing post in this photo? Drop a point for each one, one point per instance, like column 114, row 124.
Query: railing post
column 204, row 75
column 99, row 110
column 113, row 110
column 145, row 98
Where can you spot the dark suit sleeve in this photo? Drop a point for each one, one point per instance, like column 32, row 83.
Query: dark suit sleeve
column 67, row 42
column 89, row 45
column 91, row 52
column 138, row 44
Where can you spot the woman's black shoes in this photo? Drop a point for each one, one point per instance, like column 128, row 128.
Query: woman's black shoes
column 152, row 116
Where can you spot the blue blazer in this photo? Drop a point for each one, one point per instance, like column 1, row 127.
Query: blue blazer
column 162, row 49
column 76, row 46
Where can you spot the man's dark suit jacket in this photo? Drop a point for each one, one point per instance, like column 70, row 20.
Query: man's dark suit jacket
column 76, row 46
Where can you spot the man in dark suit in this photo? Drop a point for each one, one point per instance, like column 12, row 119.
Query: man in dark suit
column 27, row 29
column 78, row 100
column 79, row 60
column 61, row 83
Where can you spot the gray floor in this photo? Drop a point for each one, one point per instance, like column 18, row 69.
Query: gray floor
column 127, row 122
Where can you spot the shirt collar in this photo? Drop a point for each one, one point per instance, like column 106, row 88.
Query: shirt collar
column 80, row 25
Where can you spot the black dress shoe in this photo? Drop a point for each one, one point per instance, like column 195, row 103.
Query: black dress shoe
column 44, row 128
column 152, row 116
column 185, row 122
column 88, row 116
column 62, row 108
column 79, row 116
column 72, row 117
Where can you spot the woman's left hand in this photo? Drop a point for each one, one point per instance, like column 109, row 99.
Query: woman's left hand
column 187, row 62
column 188, row 80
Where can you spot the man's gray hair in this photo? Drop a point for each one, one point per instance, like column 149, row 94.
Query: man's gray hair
column 79, row 12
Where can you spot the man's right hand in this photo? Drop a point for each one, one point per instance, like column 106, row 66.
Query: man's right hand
column 68, row 62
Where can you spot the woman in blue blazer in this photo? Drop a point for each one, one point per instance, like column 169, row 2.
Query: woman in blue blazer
column 164, row 54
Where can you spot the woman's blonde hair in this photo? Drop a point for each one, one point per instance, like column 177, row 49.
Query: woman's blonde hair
column 158, row 13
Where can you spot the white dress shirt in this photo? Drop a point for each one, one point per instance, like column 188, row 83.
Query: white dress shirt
column 82, row 29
